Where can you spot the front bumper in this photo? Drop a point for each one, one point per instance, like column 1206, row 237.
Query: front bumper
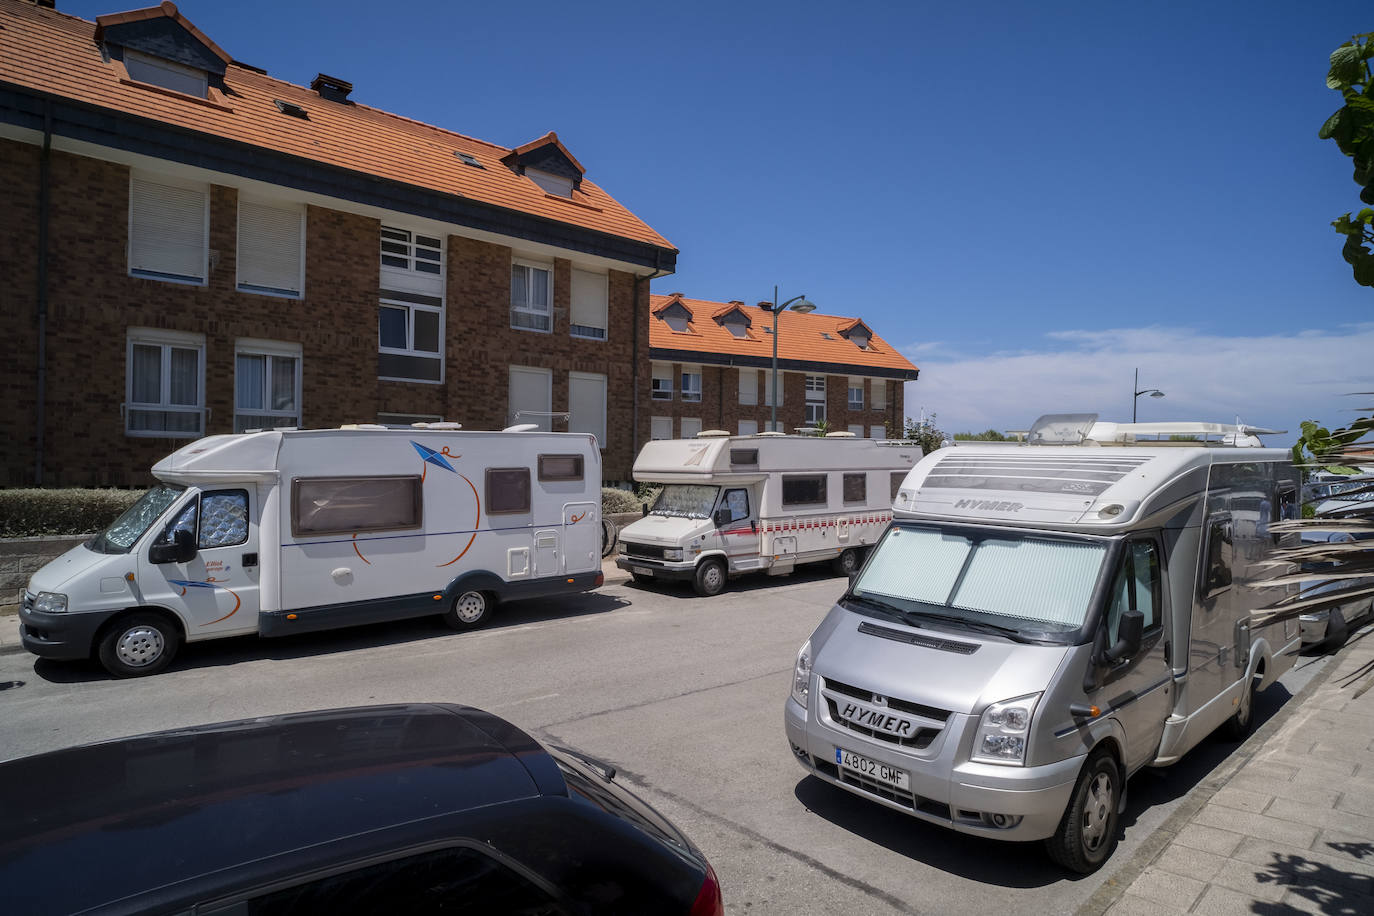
column 1001, row 802
column 659, row 569
column 61, row 636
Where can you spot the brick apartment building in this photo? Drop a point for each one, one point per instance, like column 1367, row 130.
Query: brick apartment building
column 189, row 246
column 712, row 367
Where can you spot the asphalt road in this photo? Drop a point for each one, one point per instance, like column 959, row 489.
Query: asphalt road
column 683, row 695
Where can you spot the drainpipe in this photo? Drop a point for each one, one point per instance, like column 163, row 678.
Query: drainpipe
column 40, row 412
column 634, row 355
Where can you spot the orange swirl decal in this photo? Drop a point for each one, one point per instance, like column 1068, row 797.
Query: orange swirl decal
column 359, row 552
column 475, row 522
column 578, row 518
column 212, row 583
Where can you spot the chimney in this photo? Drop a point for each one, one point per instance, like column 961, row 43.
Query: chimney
column 766, row 305
column 735, row 302
column 332, row 88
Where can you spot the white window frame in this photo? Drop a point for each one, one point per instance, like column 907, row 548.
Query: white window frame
column 256, row 289
column 813, row 413
column 749, row 394
column 856, row 384
column 272, row 350
column 815, row 388
column 658, row 373
column 412, row 245
column 589, row 332
column 148, row 65
column 149, row 274
column 166, row 341
column 660, row 422
column 600, row 431
column 409, row 349
column 682, row 427
column 547, row 313
column 691, row 393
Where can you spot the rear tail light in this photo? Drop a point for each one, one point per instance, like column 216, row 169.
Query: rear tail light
column 708, row 902
column 600, row 579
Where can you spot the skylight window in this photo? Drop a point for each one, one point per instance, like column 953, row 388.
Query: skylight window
column 826, row 336
column 294, row 111
column 468, row 159
column 155, row 71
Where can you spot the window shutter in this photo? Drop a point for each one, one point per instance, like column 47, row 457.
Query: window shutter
column 167, row 230
column 530, row 389
column 589, row 296
column 587, row 405
column 269, row 255
column 690, row 426
column 748, row 386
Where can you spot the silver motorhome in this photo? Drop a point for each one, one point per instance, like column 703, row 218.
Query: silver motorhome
column 1041, row 621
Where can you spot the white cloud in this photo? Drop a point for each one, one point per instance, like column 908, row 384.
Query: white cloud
column 1274, row 380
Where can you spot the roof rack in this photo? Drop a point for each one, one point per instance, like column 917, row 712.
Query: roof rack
column 1086, row 429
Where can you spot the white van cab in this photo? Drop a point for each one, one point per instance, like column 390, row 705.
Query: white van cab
column 289, row 531
column 1040, row 621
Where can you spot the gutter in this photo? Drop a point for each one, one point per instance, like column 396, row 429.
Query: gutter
column 634, row 354
column 44, row 195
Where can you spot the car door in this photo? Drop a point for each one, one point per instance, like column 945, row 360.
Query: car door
column 740, row 535
column 215, row 592
column 1139, row 689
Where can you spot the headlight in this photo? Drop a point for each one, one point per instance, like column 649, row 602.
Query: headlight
column 672, row 553
column 50, row 603
column 1004, row 730
column 801, row 674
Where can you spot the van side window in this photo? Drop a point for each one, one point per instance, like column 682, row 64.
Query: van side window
column 897, row 478
column 855, row 488
column 560, row 467
column 508, row 490
column 347, row 505
column 1137, row 587
column 803, row 490
column 737, row 501
column 223, row 518
column 185, row 521
column 1216, row 573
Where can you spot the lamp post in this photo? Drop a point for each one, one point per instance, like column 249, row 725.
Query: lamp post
column 1152, row 392
column 798, row 304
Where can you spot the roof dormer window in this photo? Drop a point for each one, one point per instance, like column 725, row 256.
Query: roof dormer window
column 144, row 68
column 553, row 184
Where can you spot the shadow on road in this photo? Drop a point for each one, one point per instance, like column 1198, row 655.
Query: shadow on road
column 752, row 582
column 232, row 651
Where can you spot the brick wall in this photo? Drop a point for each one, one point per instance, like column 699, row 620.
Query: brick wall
column 93, row 302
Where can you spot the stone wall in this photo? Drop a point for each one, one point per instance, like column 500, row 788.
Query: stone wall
column 22, row 557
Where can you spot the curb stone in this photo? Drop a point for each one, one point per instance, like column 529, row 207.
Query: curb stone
column 1154, row 845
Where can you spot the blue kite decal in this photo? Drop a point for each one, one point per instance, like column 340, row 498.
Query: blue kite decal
column 430, row 456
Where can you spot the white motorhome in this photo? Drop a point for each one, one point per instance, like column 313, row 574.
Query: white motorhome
column 289, row 531
column 1040, row 621
column 738, row 504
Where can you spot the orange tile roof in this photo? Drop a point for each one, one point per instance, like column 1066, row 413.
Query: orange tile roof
column 799, row 336
column 54, row 53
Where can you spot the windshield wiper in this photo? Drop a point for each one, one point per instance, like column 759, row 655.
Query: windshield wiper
column 979, row 625
column 890, row 610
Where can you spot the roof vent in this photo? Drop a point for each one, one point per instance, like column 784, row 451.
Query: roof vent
column 332, row 88
column 469, row 159
column 294, row 111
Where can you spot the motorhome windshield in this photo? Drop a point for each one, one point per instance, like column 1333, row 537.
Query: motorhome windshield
column 1029, row 585
column 686, row 500
column 138, row 518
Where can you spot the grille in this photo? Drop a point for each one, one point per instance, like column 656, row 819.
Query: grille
column 920, row 740
column 858, row 693
column 648, row 551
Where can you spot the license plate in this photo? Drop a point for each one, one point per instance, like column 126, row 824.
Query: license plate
column 641, row 570
column 880, row 772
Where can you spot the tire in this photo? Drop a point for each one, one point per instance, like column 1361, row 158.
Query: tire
column 1237, row 728
column 609, row 535
column 710, row 578
column 641, row 579
column 470, row 610
column 139, row 645
column 1087, row 833
column 847, row 563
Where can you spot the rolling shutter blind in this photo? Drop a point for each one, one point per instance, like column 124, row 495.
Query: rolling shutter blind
column 589, row 301
column 530, row 390
column 167, row 230
column 269, row 256
column 587, row 405
column 748, row 386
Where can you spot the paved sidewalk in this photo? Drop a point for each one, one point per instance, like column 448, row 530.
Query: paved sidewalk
column 1285, row 827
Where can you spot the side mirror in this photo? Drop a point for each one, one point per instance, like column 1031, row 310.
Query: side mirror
column 722, row 517
column 181, row 549
column 1130, row 633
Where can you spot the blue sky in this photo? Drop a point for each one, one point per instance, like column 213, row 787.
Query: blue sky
column 1030, row 200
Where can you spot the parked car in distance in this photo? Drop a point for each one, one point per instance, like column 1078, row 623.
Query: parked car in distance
column 425, row 808
column 1334, row 623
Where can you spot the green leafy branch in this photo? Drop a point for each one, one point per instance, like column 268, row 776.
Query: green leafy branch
column 1352, row 127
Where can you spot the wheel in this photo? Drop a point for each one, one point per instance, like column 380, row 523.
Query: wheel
column 1087, row 833
column 710, row 578
column 847, row 563
column 1237, row 727
column 139, row 645
column 470, row 610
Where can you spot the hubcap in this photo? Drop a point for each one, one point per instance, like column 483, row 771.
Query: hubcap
column 470, row 607
column 849, row 561
column 140, row 646
column 713, row 577
column 1097, row 812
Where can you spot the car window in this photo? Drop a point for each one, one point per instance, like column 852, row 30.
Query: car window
column 459, row 880
column 1137, row 587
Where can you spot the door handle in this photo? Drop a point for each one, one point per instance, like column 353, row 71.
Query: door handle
column 249, row 560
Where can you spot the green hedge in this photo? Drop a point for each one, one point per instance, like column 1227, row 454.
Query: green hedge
column 33, row 512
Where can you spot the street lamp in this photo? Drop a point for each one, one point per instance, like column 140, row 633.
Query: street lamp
column 1152, row 392
column 798, row 304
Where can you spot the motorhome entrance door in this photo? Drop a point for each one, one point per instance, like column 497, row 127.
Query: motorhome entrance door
column 581, row 537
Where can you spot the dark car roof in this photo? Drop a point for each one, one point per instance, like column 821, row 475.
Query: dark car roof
column 156, row 809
